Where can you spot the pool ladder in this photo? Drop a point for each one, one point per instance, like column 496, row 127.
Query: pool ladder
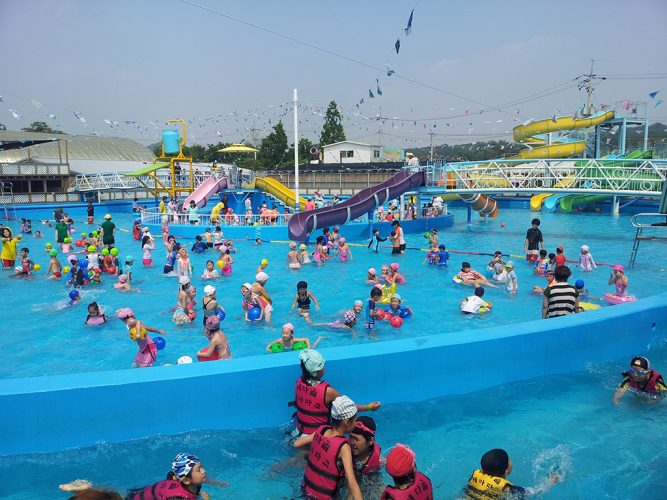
column 640, row 236
column 7, row 200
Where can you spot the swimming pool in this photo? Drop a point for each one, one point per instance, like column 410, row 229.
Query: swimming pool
column 564, row 424
column 47, row 338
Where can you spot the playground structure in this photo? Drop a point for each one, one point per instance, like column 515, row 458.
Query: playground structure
column 278, row 190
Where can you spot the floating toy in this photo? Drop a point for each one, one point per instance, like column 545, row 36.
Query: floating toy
column 221, row 264
column 387, row 292
column 589, row 306
column 36, row 267
column 133, row 333
column 160, row 343
column 299, row 346
column 617, row 299
column 459, row 281
column 265, row 262
column 79, row 243
column 221, row 314
column 277, row 348
column 396, row 321
column 66, row 269
column 184, row 360
column 254, row 313
column 381, row 315
column 502, row 225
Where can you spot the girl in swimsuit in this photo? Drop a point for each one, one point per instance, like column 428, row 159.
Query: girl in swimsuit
column 302, row 300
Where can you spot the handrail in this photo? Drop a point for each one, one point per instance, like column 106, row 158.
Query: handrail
column 636, row 223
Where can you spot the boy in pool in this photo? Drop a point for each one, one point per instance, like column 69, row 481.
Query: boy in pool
column 287, row 340
column 374, row 244
column 293, row 261
column 395, row 243
column 511, row 283
column 533, row 240
column 55, row 267
column 397, row 309
column 74, row 297
column 641, row 379
column 475, row 304
column 408, row 481
column 371, row 308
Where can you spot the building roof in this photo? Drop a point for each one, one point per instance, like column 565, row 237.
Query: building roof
column 350, row 142
column 16, row 146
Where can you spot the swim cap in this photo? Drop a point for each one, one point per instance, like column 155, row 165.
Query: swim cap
column 91, row 248
column 342, row 240
column 372, row 271
column 183, row 464
column 209, row 290
column 343, row 408
column 261, row 276
column 385, row 266
column 53, row 252
column 495, row 462
column 618, row 267
column 107, row 216
column 509, row 264
column 292, row 245
column 585, row 248
column 396, row 296
column 129, row 258
column 358, row 303
column 265, row 262
column 559, row 249
column 48, row 245
column 400, row 461
column 640, row 361
column 364, row 426
column 113, row 251
column 312, row 360
column 183, row 280
column 579, row 283
column 122, row 278
column 95, row 233
column 394, row 266
column 246, row 285
column 73, row 294
column 213, row 322
column 289, row 326
column 302, row 246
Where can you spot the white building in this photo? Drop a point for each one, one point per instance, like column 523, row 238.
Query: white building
column 351, row 152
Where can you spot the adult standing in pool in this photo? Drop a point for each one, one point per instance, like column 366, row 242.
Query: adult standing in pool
column 90, row 211
column 399, row 234
column 62, row 232
column 9, row 244
column 560, row 298
column 108, row 230
column 313, row 396
column 533, row 240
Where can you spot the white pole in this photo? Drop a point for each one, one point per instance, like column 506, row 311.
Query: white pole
column 296, row 154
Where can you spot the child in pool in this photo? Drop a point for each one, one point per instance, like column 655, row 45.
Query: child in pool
column 217, row 237
column 165, row 229
column 475, row 304
column 191, row 303
column 344, row 251
column 374, row 244
column 586, row 262
column 396, row 309
column 305, row 257
column 496, row 264
column 230, row 246
column 371, row 276
column 251, row 300
column 48, row 247
column 432, row 256
column 147, row 353
column 293, row 257
column 184, row 266
column 549, row 276
column 95, row 315
column 210, row 272
column 219, row 346
column 198, row 246
column 408, row 481
column 287, row 339
column 371, row 308
column 302, row 298
column 208, row 237
column 172, row 255
column 348, row 320
column 511, row 283
column 55, row 270
column 227, row 258
column 619, row 280
column 325, row 253
column 38, row 234
column 74, row 297
column 136, row 230
column 552, row 264
column 123, row 284
column 27, row 264
column 541, row 264
column 147, row 245
column 318, row 254
column 385, row 278
column 395, row 276
column 66, row 246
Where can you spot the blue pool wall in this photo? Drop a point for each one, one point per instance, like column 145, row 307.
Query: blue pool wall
column 70, row 411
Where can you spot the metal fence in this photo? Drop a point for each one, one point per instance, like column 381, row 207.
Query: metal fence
column 32, row 169
column 153, row 216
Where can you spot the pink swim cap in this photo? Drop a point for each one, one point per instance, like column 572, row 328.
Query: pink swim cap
column 342, row 240
column 124, row 313
column 618, row 267
column 372, row 271
column 289, row 326
column 394, row 266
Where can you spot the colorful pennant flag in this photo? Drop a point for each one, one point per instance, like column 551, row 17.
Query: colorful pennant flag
column 397, row 45
column 377, row 84
column 653, row 94
column 408, row 28
column 658, row 102
column 390, row 70
column 370, row 94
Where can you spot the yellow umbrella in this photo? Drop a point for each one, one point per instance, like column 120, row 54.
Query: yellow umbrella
column 237, row 148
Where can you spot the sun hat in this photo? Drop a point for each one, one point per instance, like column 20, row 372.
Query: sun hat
column 183, row 464
column 400, row 461
column 312, row 360
column 213, row 322
column 124, row 313
column 371, row 270
column 343, row 408
column 396, row 296
column 261, row 276
column 618, row 267
column 183, row 280
column 289, row 326
column 209, row 290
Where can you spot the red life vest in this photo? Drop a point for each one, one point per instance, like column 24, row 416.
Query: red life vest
column 311, row 408
column 373, row 464
column 650, row 385
column 164, row 490
column 323, row 468
column 421, row 489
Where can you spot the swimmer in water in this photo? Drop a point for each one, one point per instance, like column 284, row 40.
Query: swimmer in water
column 95, row 315
column 305, row 256
column 288, row 339
column 210, row 272
column 293, row 261
column 348, row 320
column 302, row 299
column 641, row 379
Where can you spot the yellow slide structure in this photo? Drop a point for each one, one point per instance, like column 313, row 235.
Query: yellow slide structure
column 279, row 190
column 527, row 133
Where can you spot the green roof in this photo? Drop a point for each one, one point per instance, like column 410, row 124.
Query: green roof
column 148, row 169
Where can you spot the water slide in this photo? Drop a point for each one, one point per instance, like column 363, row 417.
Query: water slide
column 568, row 203
column 279, row 190
column 302, row 224
column 206, row 190
column 487, row 207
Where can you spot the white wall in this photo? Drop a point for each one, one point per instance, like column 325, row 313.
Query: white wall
column 361, row 154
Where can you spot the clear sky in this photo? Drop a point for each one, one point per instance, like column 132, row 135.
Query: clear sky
column 147, row 61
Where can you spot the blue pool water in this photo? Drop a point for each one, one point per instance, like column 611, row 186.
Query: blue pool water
column 562, row 424
column 44, row 337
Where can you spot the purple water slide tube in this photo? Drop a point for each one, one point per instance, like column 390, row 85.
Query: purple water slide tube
column 206, row 191
column 302, row 224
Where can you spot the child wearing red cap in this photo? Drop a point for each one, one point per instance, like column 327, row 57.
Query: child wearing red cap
column 409, row 483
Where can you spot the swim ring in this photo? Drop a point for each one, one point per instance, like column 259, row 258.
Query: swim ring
column 618, row 299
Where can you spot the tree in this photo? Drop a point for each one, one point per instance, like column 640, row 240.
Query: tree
column 332, row 130
column 273, row 149
column 304, row 153
column 41, row 127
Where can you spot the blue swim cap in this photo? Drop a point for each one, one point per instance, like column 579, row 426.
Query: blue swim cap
column 129, row 258
column 73, row 294
column 579, row 283
column 183, row 464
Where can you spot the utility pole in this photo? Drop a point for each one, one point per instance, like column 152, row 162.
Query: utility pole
column 380, row 129
column 431, row 134
column 587, row 112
